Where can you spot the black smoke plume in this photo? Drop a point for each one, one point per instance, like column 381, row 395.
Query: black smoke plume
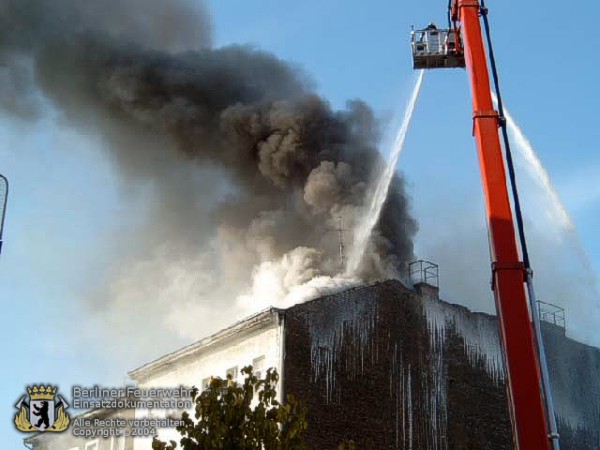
column 247, row 170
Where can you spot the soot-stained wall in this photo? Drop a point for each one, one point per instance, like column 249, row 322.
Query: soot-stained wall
column 391, row 370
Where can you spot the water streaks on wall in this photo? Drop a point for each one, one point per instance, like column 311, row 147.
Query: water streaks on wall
column 390, row 369
column 479, row 331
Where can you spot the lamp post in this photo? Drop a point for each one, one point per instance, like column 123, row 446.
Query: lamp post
column 3, row 199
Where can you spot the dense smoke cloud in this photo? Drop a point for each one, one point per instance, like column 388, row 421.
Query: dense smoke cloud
column 245, row 170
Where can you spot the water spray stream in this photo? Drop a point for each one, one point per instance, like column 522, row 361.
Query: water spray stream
column 559, row 215
column 371, row 217
column 560, row 220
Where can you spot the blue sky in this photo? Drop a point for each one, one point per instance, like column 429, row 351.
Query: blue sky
column 65, row 205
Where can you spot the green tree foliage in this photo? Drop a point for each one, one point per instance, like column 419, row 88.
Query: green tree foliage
column 227, row 418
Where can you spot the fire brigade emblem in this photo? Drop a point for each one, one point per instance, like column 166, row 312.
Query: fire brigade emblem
column 42, row 410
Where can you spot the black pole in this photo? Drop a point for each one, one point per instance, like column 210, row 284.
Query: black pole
column 3, row 209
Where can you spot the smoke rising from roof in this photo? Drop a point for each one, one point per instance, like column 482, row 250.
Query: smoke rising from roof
column 244, row 168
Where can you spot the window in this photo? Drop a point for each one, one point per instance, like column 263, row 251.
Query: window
column 232, row 376
column 232, row 373
column 92, row 445
column 258, row 364
column 117, row 443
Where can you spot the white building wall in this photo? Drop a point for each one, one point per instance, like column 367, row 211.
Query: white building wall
column 216, row 361
column 239, row 350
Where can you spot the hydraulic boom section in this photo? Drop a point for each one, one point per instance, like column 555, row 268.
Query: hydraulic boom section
column 462, row 45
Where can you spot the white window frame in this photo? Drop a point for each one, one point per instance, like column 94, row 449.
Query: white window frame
column 234, row 371
column 117, row 443
column 259, row 365
column 95, row 442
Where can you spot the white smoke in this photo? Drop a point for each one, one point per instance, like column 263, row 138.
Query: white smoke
column 295, row 278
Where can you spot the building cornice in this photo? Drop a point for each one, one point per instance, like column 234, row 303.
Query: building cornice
column 238, row 329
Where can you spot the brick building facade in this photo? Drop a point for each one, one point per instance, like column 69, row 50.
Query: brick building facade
column 390, row 368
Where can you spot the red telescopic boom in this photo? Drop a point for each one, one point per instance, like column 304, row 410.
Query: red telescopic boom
column 523, row 373
column 463, row 46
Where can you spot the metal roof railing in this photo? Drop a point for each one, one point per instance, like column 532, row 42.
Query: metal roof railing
column 552, row 313
column 422, row 271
